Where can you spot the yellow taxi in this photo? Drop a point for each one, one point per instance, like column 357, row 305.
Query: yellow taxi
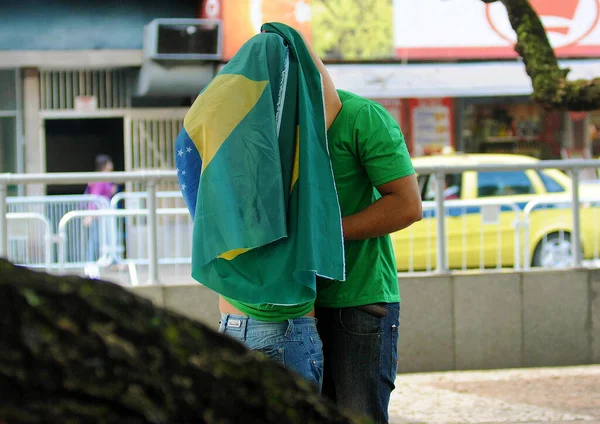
column 497, row 219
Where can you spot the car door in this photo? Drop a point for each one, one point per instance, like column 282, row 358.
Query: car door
column 492, row 236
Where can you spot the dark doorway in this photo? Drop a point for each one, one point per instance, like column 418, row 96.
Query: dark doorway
column 72, row 145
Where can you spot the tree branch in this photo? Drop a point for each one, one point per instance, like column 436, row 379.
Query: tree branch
column 550, row 85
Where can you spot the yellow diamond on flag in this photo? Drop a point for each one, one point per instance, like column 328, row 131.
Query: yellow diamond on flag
column 209, row 124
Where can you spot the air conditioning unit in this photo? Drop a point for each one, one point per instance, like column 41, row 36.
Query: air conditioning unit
column 183, row 39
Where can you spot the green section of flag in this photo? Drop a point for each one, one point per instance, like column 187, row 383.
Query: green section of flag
column 276, row 232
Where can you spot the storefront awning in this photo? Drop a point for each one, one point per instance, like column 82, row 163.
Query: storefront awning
column 446, row 80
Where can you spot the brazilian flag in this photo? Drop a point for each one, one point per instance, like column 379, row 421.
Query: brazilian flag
column 255, row 172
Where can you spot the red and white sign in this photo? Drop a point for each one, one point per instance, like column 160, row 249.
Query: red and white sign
column 434, row 29
column 431, row 125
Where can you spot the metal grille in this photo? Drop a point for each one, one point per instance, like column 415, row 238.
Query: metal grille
column 112, row 88
column 150, row 142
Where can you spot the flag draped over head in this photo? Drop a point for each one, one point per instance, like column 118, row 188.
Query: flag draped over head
column 255, row 173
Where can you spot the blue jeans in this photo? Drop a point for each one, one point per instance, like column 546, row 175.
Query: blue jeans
column 361, row 358
column 294, row 343
column 93, row 250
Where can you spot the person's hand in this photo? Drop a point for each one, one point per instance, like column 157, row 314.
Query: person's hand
column 87, row 221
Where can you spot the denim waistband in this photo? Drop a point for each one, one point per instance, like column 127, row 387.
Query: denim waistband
column 242, row 323
column 251, row 321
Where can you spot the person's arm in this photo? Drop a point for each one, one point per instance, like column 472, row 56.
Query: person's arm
column 333, row 104
column 398, row 208
column 383, row 154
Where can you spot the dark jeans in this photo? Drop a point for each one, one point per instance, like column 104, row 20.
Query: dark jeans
column 361, row 358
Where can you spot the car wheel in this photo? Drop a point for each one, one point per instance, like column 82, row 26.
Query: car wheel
column 554, row 251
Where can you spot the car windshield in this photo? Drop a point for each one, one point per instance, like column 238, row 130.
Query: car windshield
column 551, row 185
column 503, row 183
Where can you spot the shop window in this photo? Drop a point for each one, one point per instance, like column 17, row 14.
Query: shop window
column 594, row 134
column 551, row 185
column 510, row 126
column 503, row 183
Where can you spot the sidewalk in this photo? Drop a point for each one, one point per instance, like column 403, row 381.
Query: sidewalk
column 533, row 395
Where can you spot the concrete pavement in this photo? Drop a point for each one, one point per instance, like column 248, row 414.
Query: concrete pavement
column 532, row 395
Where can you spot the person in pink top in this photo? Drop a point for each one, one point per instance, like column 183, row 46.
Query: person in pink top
column 104, row 163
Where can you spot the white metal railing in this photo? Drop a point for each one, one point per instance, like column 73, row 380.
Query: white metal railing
column 149, row 178
column 470, row 253
column 24, row 249
column 53, row 208
column 176, row 230
column 441, row 207
column 109, row 251
column 138, row 199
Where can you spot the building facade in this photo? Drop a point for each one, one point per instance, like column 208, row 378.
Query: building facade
column 87, row 78
column 75, row 81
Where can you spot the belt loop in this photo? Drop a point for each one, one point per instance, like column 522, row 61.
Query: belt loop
column 245, row 327
column 290, row 328
column 223, row 320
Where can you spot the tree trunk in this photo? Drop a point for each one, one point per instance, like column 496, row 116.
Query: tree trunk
column 550, row 85
column 79, row 351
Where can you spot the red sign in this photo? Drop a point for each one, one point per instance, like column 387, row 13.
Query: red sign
column 485, row 32
column 559, row 18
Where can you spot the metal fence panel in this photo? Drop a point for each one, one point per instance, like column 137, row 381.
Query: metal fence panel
column 483, row 233
column 29, row 239
column 59, row 88
column 480, row 234
column 53, row 208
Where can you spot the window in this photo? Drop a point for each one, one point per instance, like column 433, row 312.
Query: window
column 552, row 186
column 503, row 183
column 452, row 188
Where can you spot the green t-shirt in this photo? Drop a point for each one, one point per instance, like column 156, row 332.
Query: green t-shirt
column 367, row 149
column 273, row 313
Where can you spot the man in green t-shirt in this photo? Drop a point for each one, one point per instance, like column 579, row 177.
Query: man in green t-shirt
column 359, row 318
